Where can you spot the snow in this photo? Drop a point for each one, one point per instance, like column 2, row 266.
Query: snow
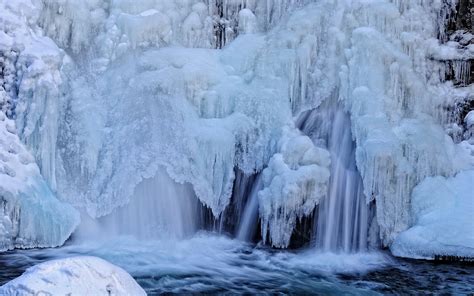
column 30, row 214
column 443, row 224
column 82, row 275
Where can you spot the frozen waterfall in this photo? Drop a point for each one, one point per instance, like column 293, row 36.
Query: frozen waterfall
column 254, row 119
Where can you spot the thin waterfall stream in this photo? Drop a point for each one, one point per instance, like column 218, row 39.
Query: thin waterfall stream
column 342, row 218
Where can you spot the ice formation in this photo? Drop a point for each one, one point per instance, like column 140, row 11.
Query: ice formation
column 30, row 214
column 203, row 88
column 82, row 275
column 294, row 182
column 443, row 224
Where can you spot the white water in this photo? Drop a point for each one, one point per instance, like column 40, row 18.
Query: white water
column 341, row 222
column 159, row 208
column 216, row 264
column 248, row 223
column 342, row 217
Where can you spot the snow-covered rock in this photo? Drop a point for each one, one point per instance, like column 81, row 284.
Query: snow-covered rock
column 82, row 275
column 30, row 214
column 442, row 211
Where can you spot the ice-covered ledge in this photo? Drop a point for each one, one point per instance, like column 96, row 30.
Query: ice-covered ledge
column 443, row 223
column 82, row 275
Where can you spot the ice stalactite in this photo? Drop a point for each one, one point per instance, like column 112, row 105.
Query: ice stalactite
column 438, row 220
column 30, row 214
column 294, row 182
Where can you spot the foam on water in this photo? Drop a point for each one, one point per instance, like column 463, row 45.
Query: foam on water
column 208, row 263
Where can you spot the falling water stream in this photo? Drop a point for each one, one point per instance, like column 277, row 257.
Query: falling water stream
column 342, row 218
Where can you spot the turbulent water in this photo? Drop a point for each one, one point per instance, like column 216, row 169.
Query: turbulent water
column 215, row 264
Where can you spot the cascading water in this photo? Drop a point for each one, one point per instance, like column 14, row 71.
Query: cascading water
column 160, row 208
column 342, row 218
column 248, row 222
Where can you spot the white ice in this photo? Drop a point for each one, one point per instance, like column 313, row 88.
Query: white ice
column 295, row 180
column 443, row 225
column 30, row 214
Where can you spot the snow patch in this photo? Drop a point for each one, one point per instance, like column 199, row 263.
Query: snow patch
column 442, row 216
column 82, row 275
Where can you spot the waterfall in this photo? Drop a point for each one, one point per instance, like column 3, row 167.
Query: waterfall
column 341, row 220
column 160, row 208
column 248, row 223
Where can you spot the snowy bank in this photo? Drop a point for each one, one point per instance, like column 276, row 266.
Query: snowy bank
column 74, row 276
column 443, row 222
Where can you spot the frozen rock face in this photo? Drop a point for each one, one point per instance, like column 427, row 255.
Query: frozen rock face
column 30, row 214
column 139, row 85
column 294, row 182
column 443, row 224
column 73, row 276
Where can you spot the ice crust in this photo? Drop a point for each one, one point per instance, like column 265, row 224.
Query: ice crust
column 82, row 275
column 132, row 86
column 443, row 224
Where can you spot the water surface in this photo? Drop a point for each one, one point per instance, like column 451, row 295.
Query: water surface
column 215, row 264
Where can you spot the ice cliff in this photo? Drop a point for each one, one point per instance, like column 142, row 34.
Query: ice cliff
column 104, row 93
column 30, row 214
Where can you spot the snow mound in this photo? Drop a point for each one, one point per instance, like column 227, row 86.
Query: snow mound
column 294, row 182
column 30, row 214
column 83, row 275
column 443, row 224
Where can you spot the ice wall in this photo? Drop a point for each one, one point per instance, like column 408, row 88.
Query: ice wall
column 30, row 214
